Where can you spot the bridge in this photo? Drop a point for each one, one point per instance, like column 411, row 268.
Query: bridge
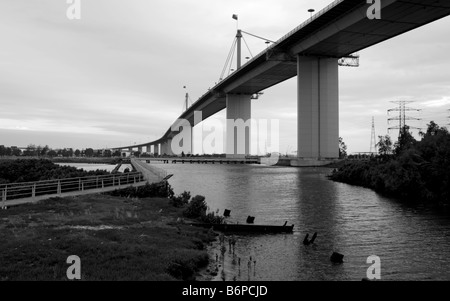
column 311, row 52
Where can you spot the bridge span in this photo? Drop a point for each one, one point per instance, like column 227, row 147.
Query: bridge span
column 311, row 52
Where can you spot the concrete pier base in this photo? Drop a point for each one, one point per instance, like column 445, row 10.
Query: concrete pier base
column 312, row 162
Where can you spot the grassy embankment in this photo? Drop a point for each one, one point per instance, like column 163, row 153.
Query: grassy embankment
column 116, row 238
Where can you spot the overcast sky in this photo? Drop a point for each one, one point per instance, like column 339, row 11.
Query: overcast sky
column 116, row 76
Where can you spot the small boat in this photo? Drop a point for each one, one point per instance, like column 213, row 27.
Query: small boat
column 247, row 228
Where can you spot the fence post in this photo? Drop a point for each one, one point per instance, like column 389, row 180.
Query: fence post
column 33, row 191
column 96, row 183
column 114, row 180
column 79, row 184
column 119, row 180
column 82, row 186
column 103, row 186
column 59, row 187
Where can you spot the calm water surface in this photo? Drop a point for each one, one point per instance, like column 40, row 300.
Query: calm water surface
column 412, row 242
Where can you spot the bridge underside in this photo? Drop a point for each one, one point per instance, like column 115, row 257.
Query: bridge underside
column 311, row 52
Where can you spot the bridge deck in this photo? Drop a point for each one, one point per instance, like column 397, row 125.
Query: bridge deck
column 338, row 30
column 201, row 160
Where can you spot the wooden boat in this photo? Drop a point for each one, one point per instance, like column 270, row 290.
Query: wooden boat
column 247, row 228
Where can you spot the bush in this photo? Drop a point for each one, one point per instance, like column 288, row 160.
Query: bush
column 31, row 170
column 211, row 218
column 196, row 208
column 181, row 200
column 161, row 190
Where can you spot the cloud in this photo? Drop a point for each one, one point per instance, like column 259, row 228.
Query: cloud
column 117, row 75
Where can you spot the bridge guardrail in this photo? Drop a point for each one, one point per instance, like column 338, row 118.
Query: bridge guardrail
column 15, row 191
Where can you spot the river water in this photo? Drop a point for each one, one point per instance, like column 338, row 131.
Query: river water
column 412, row 242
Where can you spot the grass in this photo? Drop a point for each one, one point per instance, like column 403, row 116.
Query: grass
column 122, row 239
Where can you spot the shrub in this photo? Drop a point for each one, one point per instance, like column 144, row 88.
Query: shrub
column 161, row 189
column 211, row 218
column 181, row 200
column 196, row 208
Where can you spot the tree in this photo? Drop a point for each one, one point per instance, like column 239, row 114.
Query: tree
column 405, row 141
column 89, row 152
column 77, row 153
column 45, row 150
column 67, row 152
column 117, row 153
column 7, row 151
column 384, row 145
column 342, row 148
column 16, row 152
column 107, row 153
column 433, row 129
column 30, row 151
column 137, row 154
column 52, row 153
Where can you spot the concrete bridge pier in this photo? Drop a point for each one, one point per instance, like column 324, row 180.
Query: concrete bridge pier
column 163, row 148
column 238, row 125
column 318, row 110
column 169, row 147
column 166, row 147
column 148, row 149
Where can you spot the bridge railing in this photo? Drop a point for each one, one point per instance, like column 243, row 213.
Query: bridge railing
column 15, row 191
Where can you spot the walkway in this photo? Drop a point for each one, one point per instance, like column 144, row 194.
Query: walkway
column 31, row 192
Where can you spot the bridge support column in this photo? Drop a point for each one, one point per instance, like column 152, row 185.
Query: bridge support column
column 238, row 125
column 164, row 148
column 148, row 149
column 169, row 147
column 318, row 108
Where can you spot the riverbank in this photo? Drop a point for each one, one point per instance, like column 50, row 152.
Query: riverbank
column 407, row 177
column 116, row 238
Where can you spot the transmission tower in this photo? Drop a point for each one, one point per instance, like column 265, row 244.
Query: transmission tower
column 373, row 140
column 402, row 117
